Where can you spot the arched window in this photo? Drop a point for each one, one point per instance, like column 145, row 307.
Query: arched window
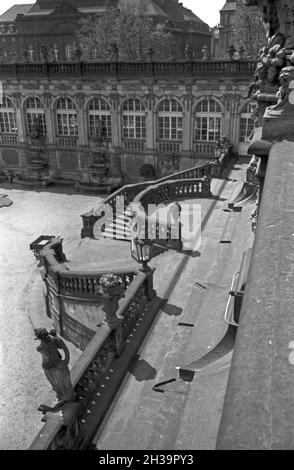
column 246, row 124
column 170, row 120
column 134, row 119
column 7, row 117
column 67, row 123
column 208, row 121
column 35, row 113
column 99, row 118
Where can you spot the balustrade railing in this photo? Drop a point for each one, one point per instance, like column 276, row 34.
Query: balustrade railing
column 79, row 284
column 65, row 286
column 204, row 148
column 121, row 199
column 134, row 145
column 158, row 68
column 169, row 147
column 89, row 372
column 8, row 138
column 67, row 142
column 173, row 191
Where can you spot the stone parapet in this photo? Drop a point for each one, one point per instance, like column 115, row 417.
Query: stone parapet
column 258, row 412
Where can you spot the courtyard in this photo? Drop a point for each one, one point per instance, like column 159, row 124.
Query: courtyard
column 23, row 386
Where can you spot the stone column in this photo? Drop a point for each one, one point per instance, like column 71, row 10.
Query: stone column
column 80, row 119
column 116, row 134
column 20, row 124
column 228, row 100
column 21, row 129
column 50, row 117
column 187, row 141
column 150, row 121
column 115, row 120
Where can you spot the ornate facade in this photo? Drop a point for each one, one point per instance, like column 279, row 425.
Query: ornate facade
column 167, row 115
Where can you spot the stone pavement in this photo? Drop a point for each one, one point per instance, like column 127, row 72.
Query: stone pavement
column 177, row 414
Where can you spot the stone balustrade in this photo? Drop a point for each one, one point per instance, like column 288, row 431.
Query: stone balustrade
column 121, row 199
column 67, row 141
column 84, row 285
column 90, row 371
column 173, row 191
column 65, row 288
column 134, row 144
column 123, row 69
column 258, row 412
column 9, row 139
column 169, row 147
column 204, row 148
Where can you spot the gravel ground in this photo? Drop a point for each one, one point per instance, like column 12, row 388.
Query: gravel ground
column 23, row 386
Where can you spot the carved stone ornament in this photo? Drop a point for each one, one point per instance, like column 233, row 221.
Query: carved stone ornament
column 224, row 150
column 275, row 69
column 111, row 289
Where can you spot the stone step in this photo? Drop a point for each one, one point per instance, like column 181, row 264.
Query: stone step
column 116, row 235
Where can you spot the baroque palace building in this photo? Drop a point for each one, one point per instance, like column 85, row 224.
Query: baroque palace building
column 27, row 30
column 165, row 114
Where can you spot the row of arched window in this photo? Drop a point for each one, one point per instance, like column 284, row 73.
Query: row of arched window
column 208, row 121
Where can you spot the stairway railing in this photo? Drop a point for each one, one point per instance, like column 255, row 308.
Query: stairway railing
column 121, row 199
column 90, row 372
column 166, row 231
column 65, row 287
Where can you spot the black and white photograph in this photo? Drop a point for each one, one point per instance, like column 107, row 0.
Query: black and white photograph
column 146, row 228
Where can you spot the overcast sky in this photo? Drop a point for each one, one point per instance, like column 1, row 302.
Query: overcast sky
column 207, row 10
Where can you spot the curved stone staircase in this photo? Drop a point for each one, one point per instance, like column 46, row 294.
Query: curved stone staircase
column 113, row 216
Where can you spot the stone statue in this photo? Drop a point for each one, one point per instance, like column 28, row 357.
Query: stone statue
column 55, row 368
column 254, row 87
column 113, row 52
column 223, row 150
column 188, row 51
column 43, row 53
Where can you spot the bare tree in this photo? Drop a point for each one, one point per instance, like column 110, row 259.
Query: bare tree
column 248, row 30
column 124, row 33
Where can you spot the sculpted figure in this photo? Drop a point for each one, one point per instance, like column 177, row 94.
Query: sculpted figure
column 55, row 367
column 188, row 51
